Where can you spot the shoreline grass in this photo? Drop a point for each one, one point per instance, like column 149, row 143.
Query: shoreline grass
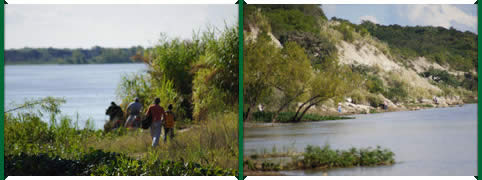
column 285, row 117
column 35, row 147
column 315, row 157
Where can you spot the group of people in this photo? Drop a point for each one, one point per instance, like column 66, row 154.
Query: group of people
column 160, row 118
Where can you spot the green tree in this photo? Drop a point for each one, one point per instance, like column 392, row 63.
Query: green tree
column 291, row 76
column 333, row 81
column 215, row 85
column 262, row 59
column 171, row 60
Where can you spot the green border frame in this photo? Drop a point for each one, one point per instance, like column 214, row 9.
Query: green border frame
column 240, row 85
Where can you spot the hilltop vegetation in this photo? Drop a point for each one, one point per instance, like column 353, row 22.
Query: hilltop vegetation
column 443, row 46
column 296, row 60
column 95, row 55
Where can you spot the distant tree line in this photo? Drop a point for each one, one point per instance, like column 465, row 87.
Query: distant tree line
column 94, row 55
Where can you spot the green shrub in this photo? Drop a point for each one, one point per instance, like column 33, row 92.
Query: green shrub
column 374, row 100
column 326, row 157
column 443, row 46
column 100, row 163
column 34, row 147
column 316, row 157
column 347, row 32
column 358, row 97
column 441, row 76
column 286, row 117
column 397, row 92
column 374, row 84
column 288, row 18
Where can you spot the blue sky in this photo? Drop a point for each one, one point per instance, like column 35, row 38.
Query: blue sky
column 84, row 26
column 460, row 17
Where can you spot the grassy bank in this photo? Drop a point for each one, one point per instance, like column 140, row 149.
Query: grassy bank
column 286, row 117
column 100, row 163
column 323, row 158
column 34, row 147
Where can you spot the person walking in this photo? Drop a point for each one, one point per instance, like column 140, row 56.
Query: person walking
column 169, row 122
column 115, row 116
column 157, row 114
column 134, row 110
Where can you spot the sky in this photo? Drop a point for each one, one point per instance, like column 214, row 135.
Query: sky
column 460, row 17
column 85, row 26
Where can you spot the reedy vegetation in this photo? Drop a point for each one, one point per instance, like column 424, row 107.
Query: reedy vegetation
column 34, row 147
column 324, row 157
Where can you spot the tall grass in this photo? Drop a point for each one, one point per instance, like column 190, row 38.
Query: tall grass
column 34, row 147
column 211, row 142
column 26, row 133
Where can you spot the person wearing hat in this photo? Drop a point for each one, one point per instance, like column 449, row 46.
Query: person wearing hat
column 133, row 109
column 157, row 113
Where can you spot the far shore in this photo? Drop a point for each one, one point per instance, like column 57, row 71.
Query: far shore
column 42, row 64
column 360, row 111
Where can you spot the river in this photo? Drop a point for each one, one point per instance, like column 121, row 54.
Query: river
column 88, row 89
column 438, row 141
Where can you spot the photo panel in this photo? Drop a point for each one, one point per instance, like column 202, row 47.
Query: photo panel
column 121, row 90
column 360, row 89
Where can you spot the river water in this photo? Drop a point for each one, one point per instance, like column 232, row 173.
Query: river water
column 88, row 89
column 438, row 141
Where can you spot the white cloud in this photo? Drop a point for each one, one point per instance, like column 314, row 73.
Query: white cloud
column 437, row 15
column 373, row 19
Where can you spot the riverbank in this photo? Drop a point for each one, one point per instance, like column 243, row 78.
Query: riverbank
column 205, row 148
column 350, row 108
column 325, row 112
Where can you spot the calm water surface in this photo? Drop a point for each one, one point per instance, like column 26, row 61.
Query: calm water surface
column 440, row 141
column 88, row 89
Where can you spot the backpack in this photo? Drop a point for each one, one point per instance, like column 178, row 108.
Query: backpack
column 147, row 121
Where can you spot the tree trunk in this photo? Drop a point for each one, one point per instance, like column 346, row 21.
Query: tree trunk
column 297, row 112
column 295, row 118
column 306, row 109
column 252, row 103
column 248, row 113
column 288, row 102
column 279, row 111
